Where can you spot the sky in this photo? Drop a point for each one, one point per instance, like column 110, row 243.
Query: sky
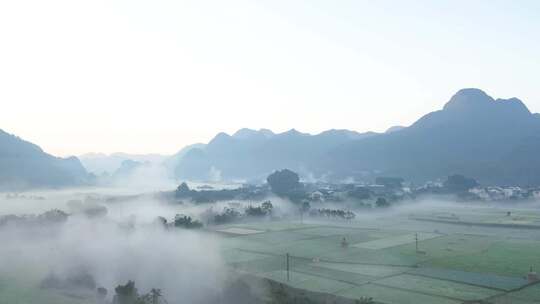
column 151, row 76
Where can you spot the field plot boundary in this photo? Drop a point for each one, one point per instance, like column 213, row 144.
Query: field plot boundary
column 325, row 260
column 394, row 294
column 396, row 241
column 450, row 275
column 318, row 262
column 513, row 293
column 371, row 270
column 488, row 224
column 416, row 292
column 466, row 293
column 240, row 231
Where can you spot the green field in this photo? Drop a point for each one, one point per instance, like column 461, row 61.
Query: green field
column 25, row 290
column 438, row 287
column 454, row 263
column 383, row 294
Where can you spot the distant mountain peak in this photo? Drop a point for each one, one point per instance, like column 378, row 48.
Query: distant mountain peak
column 221, row 136
column 293, row 131
column 346, row 133
column 466, row 99
column 267, row 132
column 246, row 133
column 477, row 102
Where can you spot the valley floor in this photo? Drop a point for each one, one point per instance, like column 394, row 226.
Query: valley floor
column 453, row 263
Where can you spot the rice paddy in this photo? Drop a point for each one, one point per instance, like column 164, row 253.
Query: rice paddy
column 398, row 259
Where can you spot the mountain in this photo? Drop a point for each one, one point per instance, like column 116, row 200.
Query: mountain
column 253, row 154
column 172, row 162
column 246, row 133
column 394, row 129
column 99, row 163
column 495, row 141
column 24, row 165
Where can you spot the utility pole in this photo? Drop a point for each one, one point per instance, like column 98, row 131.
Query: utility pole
column 288, row 277
column 416, row 239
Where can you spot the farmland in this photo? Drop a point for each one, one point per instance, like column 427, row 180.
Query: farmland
column 393, row 257
column 450, row 263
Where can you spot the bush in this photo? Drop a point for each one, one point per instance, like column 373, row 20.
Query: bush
column 228, row 215
column 184, row 221
column 333, row 213
column 382, row 203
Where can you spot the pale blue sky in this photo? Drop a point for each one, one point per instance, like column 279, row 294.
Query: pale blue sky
column 152, row 76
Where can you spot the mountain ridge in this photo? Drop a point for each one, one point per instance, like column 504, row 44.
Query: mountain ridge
column 25, row 165
column 472, row 134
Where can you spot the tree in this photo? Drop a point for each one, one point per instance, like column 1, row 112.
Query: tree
column 458, row 183
column 364, row 300
column 184, row 221
column 228, row 215
column 126, row 294
column 267, row 206
column 150, row 298
column 255, row 211
column 382, row 203
column 53, row 216
column 283, row 182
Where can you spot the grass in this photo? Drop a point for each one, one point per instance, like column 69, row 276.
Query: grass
column 528, row 294
column 395, row 241
column 26, row 291
column 369, row 270
column 507, row 258
column 388, row 295
column 308, row 282
column 453, row 268
column 438, row 287
column 473, row 278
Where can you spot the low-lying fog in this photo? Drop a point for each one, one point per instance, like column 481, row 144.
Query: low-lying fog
column 127, row 243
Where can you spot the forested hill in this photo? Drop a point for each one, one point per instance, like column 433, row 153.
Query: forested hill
column 496, row 141
column 253, row 154
column 24, row 165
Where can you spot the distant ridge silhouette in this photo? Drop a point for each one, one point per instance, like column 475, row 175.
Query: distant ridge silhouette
column 24, row 165
column 496, row 141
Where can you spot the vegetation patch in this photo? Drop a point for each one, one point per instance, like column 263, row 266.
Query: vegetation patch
column 396, row 241
column 239, row 231
column 438, row 287
column 474, row 278
column 506, row 258
column 388, row 295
